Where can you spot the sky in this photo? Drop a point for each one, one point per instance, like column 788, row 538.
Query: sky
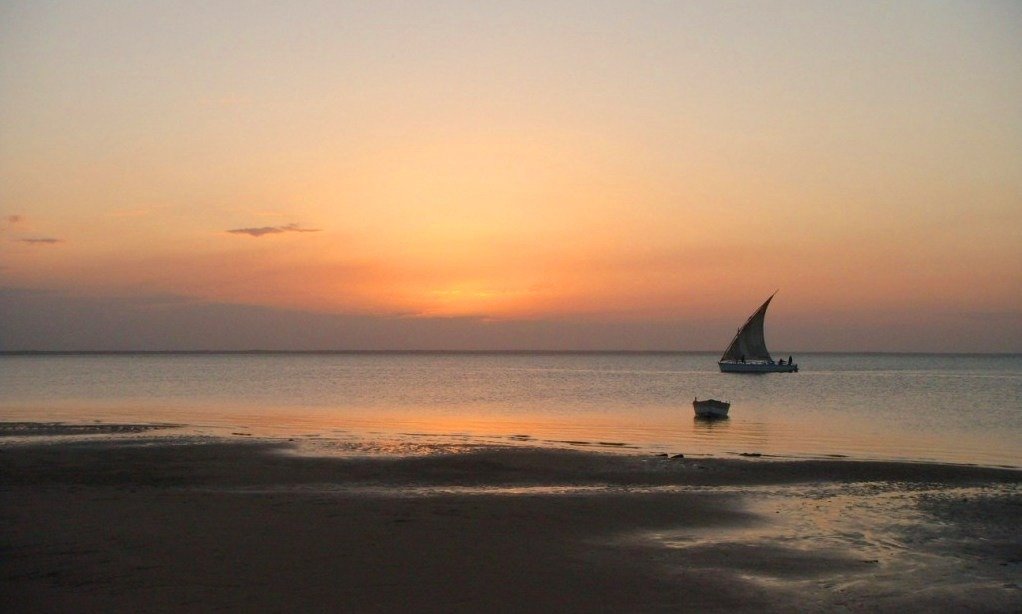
column 510, row 175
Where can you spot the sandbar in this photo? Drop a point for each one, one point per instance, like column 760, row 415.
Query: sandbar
column 154, row 524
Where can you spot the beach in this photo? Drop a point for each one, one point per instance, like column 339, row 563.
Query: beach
column 121, row 518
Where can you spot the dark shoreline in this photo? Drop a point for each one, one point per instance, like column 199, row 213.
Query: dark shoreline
column 273, row 462
column 111, row 432
column 136, row 522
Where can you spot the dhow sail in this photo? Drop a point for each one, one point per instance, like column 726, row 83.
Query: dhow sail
column 748, row 351
column 749, row 344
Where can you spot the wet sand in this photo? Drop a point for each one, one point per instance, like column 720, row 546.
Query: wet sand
column 141, row 523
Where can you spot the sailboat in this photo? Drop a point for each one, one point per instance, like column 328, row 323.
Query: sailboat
column 748, row 352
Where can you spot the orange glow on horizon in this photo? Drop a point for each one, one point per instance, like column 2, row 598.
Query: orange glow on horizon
column 643, row 163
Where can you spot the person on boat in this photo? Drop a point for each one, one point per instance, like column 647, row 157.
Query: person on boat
column 789, row 359
column 741, row 358
column 781, row 362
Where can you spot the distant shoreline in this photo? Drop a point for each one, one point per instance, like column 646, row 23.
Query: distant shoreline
column 470, row 352
column 57, row 432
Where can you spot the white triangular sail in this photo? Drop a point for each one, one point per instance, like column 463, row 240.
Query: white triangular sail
column 748, row 344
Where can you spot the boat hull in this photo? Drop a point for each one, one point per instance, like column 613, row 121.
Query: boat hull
column 711, row 408
column 755, row 367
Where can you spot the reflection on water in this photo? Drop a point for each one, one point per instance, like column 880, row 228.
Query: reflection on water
column 903, row 407
column 871, row 538
column 704, row 429
column 739, row 435
column 710, row 423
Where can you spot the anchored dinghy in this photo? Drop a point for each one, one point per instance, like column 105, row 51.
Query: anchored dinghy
column 710, row 408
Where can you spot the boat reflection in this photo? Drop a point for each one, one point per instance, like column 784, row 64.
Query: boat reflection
column 710, row 423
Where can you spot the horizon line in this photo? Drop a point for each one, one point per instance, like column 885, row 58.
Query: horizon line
column 470, row 352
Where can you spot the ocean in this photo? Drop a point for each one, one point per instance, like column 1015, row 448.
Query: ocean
column 915, row 407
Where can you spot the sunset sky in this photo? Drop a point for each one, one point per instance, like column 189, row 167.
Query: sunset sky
column 510, row 175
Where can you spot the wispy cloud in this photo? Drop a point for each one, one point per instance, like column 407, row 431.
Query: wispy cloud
column 8, row 221
column 991, row 316
column 271, row 230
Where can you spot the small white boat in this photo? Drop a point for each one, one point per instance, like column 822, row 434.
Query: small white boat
column 710, row 408
column 748, row 351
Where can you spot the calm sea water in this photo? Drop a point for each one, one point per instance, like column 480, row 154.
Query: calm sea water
column 965, row 409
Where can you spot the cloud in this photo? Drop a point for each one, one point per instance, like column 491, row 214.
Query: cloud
column 53, row 320
column 8, row 221
column 271, row 230
column 992, row 316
